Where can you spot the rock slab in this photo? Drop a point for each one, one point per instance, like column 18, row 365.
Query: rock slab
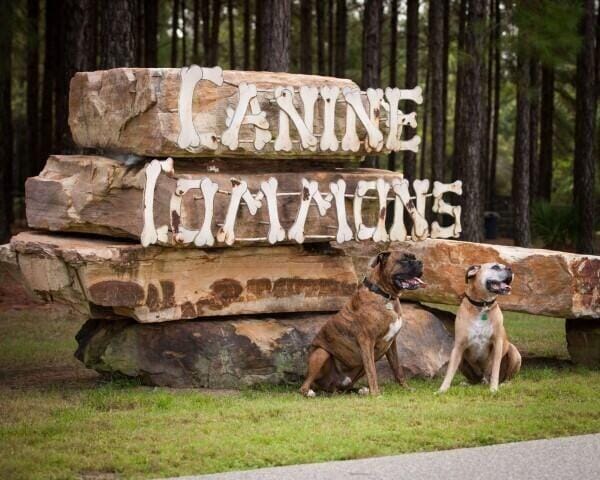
column 108, row 278
column 547, row 282
column 237, row 352
column 583, row 341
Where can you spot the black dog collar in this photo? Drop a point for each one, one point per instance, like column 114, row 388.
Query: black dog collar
column 482, row 303
column 377, row 289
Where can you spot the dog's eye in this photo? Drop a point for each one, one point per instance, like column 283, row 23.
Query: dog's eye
column 496, row 267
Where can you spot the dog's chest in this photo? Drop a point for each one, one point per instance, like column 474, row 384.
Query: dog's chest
column 395, row 324
column 480, row 335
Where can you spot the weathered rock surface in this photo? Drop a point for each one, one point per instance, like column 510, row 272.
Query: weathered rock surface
column 135, row 110
column 91, row 194
column 583, row 341
column 105, row 277
column 232, row 353
column 547, row 282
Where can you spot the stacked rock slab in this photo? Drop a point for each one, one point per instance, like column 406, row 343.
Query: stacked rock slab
column 197, row 239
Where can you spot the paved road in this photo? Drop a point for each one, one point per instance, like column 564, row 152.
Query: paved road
column 576, row 458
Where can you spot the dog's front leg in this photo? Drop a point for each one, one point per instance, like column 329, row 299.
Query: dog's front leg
column 455, row 358
column 394, row 361
column 367, row 351
column 496, row 361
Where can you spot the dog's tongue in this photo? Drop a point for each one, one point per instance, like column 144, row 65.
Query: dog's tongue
column 416, row 282
column 505, row 287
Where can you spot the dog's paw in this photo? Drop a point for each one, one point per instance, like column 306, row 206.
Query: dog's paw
column 310, row 394
column 493, row 390
column 440, row 392
column 363, row 391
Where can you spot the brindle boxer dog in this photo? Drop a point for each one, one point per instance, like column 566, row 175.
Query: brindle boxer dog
column 364, row 330
column 481, row 347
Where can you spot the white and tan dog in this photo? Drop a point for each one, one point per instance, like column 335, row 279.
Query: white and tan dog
column 481, row 348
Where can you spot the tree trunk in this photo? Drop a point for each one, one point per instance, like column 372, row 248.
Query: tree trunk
column 206, row 45
column 184, row 55
column 174, row 39
column 320, row 11
column 371, row 55
column 330, row 45
column 341, row 33
column 584, row 173
column 6, row 127
column 258, row 12
column 393, row 63
column 445, row 82
column 412, row 78
column 520, row 180
column 489, row 108
column 139, row 34
column 247, row 19
column 196, row 32
column 151, row 33
column 232, row 63
column 117, row 39
column 33, row 60
column 460, row 75
column 215, row 27
column 47, row 117
column 275, row 47
column 425, row 123
column 491, row 190
column 436, row 97
column 546, row 133
column 472, row 132
column 306, row 36
column 534, row 166
column 76, row 32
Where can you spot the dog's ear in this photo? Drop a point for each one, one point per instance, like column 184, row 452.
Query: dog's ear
column 381, row 258
column 471, row 272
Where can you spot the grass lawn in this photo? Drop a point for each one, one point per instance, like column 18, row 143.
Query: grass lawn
column 57, row 420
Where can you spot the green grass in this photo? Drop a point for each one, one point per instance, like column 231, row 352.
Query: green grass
column 80, row 427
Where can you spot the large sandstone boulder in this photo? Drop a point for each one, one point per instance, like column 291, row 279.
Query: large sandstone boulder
column 108, row 278
column 239, row 352
column 583, row 341
column 104, row 196
column 556, row 284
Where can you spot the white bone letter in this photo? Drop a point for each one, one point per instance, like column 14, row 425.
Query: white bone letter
column 350, row 142
column 393, row 140
column 338, row 189
column 398, row 230
column 309, row 189
column 230, row 137
column 420, row 226
column 180, row 233
column 226, row 232
column 205, row 236
column 362, row 187
column 151, row 234
column 353, row 97
column 375, row 96
column 261, row 136
column 412, row 94
column 190, row 76
column 328, row 139
column 440, row 206
column 383, row 188
column 276, row 231
column 285, row 100
column 421, row 187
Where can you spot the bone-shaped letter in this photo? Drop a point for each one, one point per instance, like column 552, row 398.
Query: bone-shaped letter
column 412, row 144
column 205, row 236
column 328, row 139
column 420, row 226
column 350, row 142
column 338, row 189
column 440, row 206
column 180, row 233
column 190, row 76
column 393, row 140
column 353, row 97
column 230, row 137
column 150, row 234
column 276, row 231
column 398, row 230
column 259, row 120
column 226, row 232
column 413, row 94
column 309, row 189
column 421, row 187
column 383, row 188
column 309, row 96
column 261, row 136
column 285, row 100
column 375, row 97
column 362, row 187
